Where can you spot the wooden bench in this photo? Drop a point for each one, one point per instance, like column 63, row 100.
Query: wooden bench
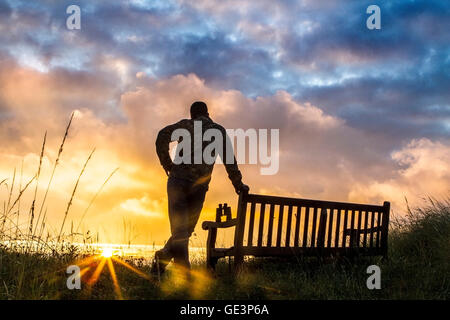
column 280, row 226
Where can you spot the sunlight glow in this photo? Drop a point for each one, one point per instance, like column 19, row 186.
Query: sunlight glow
column 107, row 257
column 107, row 252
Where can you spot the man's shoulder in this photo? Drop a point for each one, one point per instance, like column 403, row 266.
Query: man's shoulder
column 185, row 122
column 189, row 123
column 215, row 125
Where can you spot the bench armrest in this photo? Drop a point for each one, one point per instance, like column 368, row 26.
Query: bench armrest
column 206, row 225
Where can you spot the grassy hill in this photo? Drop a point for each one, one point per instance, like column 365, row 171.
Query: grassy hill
column 418, row 268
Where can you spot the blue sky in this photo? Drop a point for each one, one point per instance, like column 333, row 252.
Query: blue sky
column 395, row 79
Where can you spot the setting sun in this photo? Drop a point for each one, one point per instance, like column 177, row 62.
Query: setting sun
column 107, row 252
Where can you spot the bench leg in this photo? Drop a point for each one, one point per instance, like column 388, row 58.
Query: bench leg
column 211, row 263
column 238, row 261
column 210, row 246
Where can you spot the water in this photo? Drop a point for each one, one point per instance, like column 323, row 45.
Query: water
column 132, row 250
column 139, row 251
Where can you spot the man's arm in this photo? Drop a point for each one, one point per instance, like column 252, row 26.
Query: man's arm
column 162, row 145
column 231, row 166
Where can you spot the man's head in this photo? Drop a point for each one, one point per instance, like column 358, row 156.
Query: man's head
column 199, row 108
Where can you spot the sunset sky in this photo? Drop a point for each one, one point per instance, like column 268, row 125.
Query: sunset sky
column 364, row 115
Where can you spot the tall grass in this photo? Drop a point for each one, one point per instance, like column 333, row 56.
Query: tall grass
column 36, row 237
column 419, row 264
column 61, row 147
column 38, row 174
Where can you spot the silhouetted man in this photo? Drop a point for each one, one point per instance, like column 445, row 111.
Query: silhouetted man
column 189, row 177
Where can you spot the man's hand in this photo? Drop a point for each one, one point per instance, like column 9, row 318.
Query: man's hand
column 167, row 168
column 242, row 188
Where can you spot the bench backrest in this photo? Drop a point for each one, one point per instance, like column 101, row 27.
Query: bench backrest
column 265, row 222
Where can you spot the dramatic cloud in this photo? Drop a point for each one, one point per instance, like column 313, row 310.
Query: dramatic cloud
column 363, row 115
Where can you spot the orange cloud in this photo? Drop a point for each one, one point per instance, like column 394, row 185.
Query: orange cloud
column 320, row 156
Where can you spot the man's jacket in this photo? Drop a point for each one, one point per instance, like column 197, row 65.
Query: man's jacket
column 197, row 173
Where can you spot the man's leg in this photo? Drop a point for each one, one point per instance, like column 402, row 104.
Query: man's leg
column 163, row 257
column 185, row 205
column 195, row 199
column 178, row 193
column 177, row 203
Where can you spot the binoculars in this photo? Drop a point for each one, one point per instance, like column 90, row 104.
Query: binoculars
column 223, row 211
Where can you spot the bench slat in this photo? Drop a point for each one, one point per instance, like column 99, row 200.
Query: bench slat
column 261, row 224
column 372, row 224
column 270, row 231
column 280, row 225
column 314, row 228
column 360, row 213
column 330, row 227
column 344, row 236
column 366, row 217
column 288, row 227
column 322, row 228
column 305, row 228
column 338, row 226
column 378, row 232
column 251, row 224
column 298, row 216
column 352, row 226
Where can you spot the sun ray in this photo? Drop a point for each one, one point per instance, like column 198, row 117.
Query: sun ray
column 87, row 260
column 140, row 273
column 97, row 272
column 114, row 278
column 84, row 270
column 80, row 263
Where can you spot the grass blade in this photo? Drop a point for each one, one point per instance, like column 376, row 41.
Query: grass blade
column 61, row 147
column 37, row 185
column 73, row 194
column 95, row 197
